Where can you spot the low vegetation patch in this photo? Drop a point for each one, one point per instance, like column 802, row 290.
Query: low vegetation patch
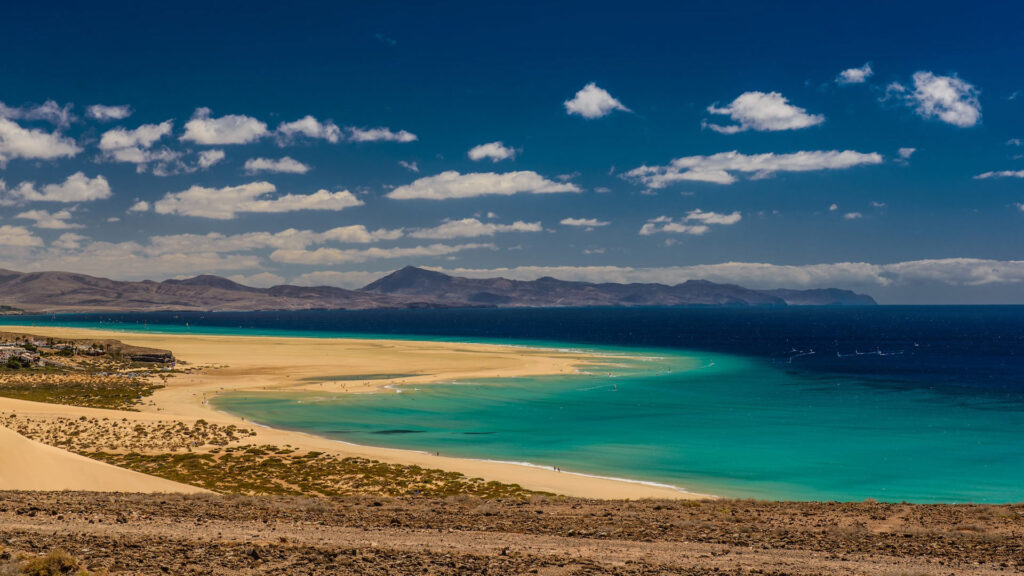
column 116, row 391
column 273, row 470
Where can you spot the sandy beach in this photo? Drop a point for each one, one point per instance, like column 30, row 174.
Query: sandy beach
column 222, row 364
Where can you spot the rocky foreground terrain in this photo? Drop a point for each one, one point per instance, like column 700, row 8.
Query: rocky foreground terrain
column 539, row 535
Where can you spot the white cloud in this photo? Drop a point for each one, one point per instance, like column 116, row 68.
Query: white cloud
column 286, row 165
column 134, row 146
column 358, row 234
column 76, row 188
column 49, row 111
column 703, row 222
column 18, row 237
column 58, row 220
column 593, row 102
column 855, row 75
column 261, row 280
column 225, row 203
column 309, row 127
column 763, row 112
column 950, row 271
column 332, row 256
column 139, row 206
column 350, row 279
column 719, row 168
column 107, row 113
column 473, row 228
column 410, row 166
column 1015, row 142
column 833, row 207
column 853, row 216
column 452, row 184
column 230, row 129
column 208, row 158
column 714, row 217
column 906, row 153
column 379, row 135
column 18, row 142
column 493, row 151
column 1000, row 174
column 142, row 137
column 947, row 98
column 876, row 204
column 69, row 241
column 583, row 222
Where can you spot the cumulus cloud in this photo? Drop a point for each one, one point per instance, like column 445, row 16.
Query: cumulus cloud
column 142, row 137
column 208, row 158
column 76, row 188
column 135, row 146
column 18, row 237
column 493, row 151
column 286, row 165
column 906, row 153
column 230, row 129
column 309, row 127
column 379, row 135
column 410, row 166
column 949, row 271
column 473, row 228
column 720, row 168
column 695, row 223
column 58, row 220
column 48, row 111
column 333, row 256
column 1000, row 174
column 853, row 216
column 593, row 102
column 584, row 222
column 108, row 113
column 139, row 206
column 452, row 184
column 349, row 279
column 855, row 75
column 33, row 144
column 225, row 203
column 947, row 98
column 762, row 112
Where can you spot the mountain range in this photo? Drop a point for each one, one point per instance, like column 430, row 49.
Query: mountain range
column 410, row 287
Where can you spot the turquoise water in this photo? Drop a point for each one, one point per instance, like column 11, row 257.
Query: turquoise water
column 709, row 423
column 919, row 404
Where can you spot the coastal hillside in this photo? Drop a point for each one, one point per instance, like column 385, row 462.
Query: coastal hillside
column 410, row 287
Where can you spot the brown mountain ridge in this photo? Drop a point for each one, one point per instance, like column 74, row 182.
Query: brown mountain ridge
column 410, row 287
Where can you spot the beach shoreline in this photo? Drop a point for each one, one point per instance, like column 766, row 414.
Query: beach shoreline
column 221, row 364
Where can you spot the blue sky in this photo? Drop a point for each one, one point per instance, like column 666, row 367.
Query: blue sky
column 875, row 147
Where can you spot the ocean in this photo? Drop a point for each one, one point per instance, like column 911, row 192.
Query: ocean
column 917, row 404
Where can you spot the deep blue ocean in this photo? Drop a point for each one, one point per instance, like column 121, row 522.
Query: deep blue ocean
column 922, row 404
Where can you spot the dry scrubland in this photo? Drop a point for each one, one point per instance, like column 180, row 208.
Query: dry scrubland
column 534, row 535
column 302, row 505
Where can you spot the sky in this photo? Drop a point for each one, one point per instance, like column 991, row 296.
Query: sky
column 874, row 146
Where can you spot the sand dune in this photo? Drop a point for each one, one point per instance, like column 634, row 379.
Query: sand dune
column 29, row 465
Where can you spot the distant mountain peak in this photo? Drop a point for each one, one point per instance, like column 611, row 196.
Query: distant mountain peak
column 409, row 277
